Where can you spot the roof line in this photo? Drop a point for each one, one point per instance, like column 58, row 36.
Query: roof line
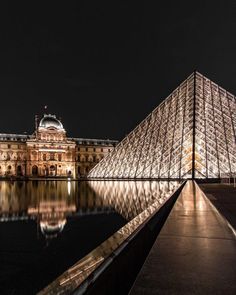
column 92, row 139
column 70, row 138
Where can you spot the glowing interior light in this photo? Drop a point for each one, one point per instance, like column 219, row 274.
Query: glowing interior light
column 69, row 186
column 190, row 134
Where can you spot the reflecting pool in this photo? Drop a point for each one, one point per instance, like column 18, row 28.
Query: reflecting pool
column 47, row 226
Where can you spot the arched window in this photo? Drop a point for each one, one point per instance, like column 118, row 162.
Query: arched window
column 35, row 170
column 19, row 170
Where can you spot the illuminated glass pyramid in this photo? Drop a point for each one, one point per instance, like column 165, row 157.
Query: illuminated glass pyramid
column 191, row 134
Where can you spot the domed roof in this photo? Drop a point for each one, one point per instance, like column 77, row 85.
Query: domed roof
column 50, row 121
column 52, row 228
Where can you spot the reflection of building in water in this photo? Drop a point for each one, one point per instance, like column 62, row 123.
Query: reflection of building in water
column 49, row 203
column 51, row 215
column 117, row 193
column 49, row 152
column 130, row 198
column 13, row 201
column 54, row 202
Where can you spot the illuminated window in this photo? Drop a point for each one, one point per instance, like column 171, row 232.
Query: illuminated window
column 52, row 156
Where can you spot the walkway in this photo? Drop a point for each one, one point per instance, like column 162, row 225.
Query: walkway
column 195, row 252
column 223, row 197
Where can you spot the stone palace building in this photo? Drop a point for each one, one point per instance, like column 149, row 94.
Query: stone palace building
column 48, row 152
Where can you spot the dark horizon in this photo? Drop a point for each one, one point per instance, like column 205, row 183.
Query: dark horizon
column 104, row 67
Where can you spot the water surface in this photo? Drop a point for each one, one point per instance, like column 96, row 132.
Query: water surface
column 47, row 226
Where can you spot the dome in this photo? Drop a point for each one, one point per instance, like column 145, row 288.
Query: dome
column 50, row 121
column 51, row 229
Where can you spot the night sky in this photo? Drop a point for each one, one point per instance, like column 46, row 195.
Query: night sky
column 103, row 66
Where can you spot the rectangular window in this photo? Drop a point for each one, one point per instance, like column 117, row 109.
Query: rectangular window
column 44, row 157
column 59, row 157
column 52, row 156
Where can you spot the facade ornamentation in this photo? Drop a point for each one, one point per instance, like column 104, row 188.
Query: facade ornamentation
column 49, row 152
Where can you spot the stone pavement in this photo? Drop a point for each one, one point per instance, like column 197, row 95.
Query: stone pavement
column 223, row 197
column 195, row 252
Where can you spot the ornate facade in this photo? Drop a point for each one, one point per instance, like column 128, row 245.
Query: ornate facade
column 49, row 152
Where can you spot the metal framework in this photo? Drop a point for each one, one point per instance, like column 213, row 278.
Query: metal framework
column 191, row 134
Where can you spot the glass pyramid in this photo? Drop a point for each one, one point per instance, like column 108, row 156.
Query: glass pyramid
column 191, row 134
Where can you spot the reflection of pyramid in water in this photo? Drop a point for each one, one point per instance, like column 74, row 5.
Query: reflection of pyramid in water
column 191, row 134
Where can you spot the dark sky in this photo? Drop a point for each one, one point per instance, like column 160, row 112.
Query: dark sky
column 103, row 66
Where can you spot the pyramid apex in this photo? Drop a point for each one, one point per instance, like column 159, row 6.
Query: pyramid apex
column 184, row 137
column 195, row 71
